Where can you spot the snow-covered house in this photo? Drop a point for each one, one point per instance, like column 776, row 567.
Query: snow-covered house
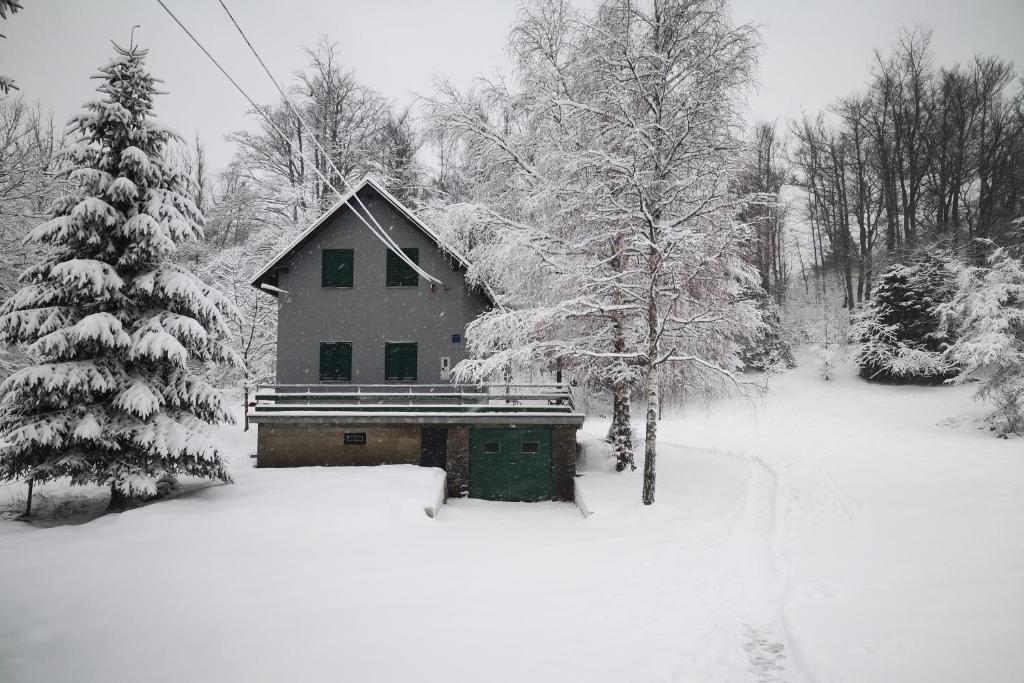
column 372, row 313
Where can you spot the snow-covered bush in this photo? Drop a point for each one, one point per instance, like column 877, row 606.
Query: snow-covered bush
column 769, row 349
column 988, row 310
column 116, row 331
column 899, row 335
column 1015, row 238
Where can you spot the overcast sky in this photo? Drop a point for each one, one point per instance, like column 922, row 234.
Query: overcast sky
column 814, row 50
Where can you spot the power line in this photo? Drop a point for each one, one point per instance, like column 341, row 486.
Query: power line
column 394, row 247
column 383, row 237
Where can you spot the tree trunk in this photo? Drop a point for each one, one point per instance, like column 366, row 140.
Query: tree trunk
column 620, row 435
column 118, row 500
column 651, row 436
column 28, row 501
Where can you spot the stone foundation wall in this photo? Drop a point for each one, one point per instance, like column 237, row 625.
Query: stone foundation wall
column 563, row 462
column 296, row 445
column 280, row 445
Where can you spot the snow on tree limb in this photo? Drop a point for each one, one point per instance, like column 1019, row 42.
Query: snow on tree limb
column 113, row 329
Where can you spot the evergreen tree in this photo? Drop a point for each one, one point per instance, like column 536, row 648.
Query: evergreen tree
column 118, row 332
column 768, row 350
column 12, row 6
column 988, row 310
column 899, row 334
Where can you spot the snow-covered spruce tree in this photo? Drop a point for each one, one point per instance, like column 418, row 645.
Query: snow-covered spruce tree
column 988, row 312
column 117, row 331
column 899, row 335
column 768, row 349
column 1015, row 238
column 12, row 6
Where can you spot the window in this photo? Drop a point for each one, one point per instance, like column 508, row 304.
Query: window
column 355, row 438
column 399, row 273
column 492, row 447
column 400, row 362
column 335, row 362
column 336, row 268
column 456, row 339
column 530, row 447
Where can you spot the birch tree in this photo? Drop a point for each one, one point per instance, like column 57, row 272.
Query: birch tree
column 530, row 219
column 669, row 76
column 627, row 131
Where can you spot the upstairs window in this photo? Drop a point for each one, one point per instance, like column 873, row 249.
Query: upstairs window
column 400, row 274
column 400, row 362
column 335, row 361
column 336, row 268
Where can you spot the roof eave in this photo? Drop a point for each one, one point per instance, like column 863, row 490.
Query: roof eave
column 258, row 280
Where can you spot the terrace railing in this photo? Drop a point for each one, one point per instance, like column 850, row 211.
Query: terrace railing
column 270, row 398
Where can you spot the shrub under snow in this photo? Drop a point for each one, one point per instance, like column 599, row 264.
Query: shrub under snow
column 988, row 309
column 899, row 334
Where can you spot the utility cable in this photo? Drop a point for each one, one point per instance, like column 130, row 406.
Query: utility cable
column 327, row 157
column 388, row 242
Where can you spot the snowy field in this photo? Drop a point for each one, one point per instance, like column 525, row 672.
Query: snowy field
column 789, row 542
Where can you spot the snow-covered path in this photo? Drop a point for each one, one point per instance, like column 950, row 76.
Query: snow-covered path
column 898, row 542
column 839, row 532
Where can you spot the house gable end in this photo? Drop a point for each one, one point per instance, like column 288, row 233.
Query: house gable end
column 377, row 201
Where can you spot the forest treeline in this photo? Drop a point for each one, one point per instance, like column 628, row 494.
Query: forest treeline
column 926, row 154
column 637, row 231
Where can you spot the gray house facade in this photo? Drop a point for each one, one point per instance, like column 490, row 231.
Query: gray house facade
column 349, row 311
column 366, row 344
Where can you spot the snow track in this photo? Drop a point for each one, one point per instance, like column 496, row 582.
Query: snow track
column 892, row 551
column 841, row 536
column 757, row 568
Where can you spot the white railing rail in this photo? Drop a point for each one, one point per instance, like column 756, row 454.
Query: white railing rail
column 410, row 394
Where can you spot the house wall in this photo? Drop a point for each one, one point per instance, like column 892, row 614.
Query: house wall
column 369, row 314
column 284, row 445
column 293, row 445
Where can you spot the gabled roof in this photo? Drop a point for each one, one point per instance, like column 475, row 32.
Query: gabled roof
column 268, row 271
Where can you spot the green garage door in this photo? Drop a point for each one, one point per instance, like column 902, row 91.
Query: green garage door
column 510, row 464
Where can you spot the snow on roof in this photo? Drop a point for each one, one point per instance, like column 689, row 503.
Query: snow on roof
column 329, row 213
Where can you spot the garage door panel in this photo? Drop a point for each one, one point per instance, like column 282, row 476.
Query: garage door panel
column 487, row 476
column 510, row 464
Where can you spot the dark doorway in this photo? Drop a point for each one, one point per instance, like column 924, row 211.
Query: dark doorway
column 434, row 447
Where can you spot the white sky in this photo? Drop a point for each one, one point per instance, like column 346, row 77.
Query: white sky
column 815, row 50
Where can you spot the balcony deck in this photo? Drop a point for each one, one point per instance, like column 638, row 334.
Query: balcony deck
column 415, row 404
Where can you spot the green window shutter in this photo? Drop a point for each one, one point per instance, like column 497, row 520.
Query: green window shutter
column 335, row 361
column 399, row 273
column 336, row 268
column 400, row 362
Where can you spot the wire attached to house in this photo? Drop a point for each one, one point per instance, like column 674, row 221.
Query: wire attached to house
column 377, row 231
column 316, row 142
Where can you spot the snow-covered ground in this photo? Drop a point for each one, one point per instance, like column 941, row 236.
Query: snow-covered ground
column 836, row 531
